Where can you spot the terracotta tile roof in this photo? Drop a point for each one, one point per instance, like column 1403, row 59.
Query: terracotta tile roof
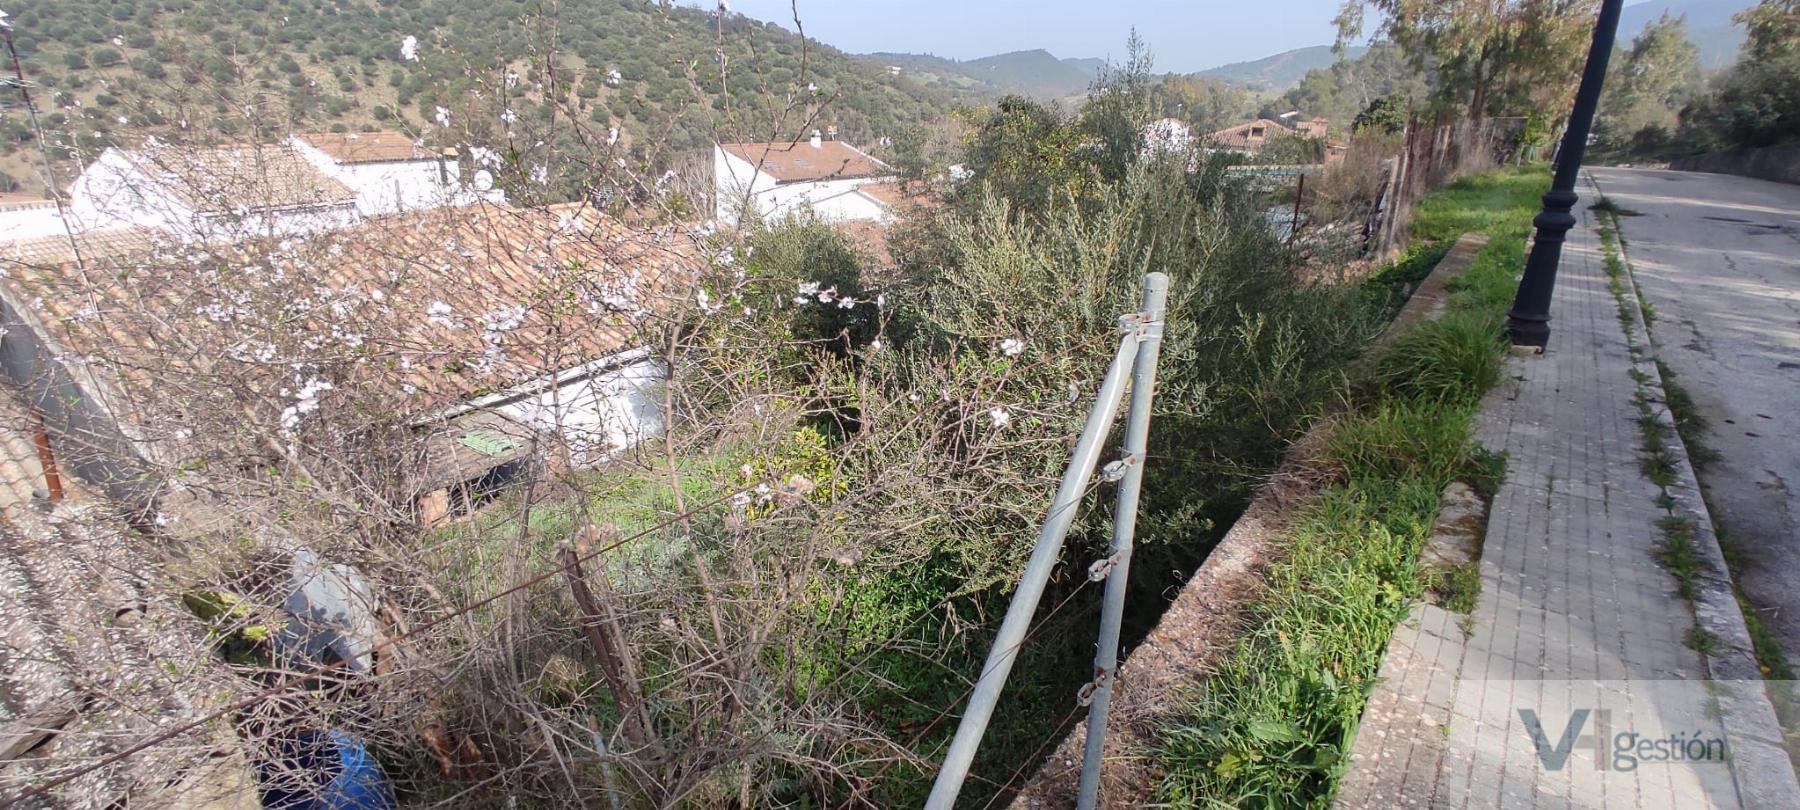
column 802, row 162
column 223, row 178
column 367, row 147
column 13, row 201
column 1239, row 137
column 56, row 249
column 426, row 309
column 21, row 476
column 97, row 649
column 894, row 195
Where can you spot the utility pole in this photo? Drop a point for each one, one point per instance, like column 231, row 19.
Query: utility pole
column 1528, row 323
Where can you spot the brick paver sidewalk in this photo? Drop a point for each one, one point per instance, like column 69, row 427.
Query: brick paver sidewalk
column 1579, row 630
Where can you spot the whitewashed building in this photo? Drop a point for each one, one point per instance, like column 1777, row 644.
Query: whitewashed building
column 389, row 172
column 220, row 193
column 24, row 217
column 1167, row 135
column 821, row 177
column 308, row 183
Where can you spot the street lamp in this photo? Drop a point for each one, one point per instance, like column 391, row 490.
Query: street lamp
column 1529, row 321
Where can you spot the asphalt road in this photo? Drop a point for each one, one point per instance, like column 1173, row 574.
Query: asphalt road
column 1718, row 258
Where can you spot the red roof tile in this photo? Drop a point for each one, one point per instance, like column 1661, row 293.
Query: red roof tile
column 367, row 147
column 429, row 308
column 802, row 162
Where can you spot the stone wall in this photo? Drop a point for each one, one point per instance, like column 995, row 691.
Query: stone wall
column 1778, row 163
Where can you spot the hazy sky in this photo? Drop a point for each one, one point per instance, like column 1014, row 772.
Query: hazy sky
column 1184, row 35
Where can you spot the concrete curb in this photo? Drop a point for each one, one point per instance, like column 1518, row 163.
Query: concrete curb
column 1765, row 776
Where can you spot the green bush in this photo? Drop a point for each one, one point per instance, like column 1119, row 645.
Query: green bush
column 1449, row 361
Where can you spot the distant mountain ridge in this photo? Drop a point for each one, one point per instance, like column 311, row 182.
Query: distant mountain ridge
column 1281, row 71
column 1037, row 73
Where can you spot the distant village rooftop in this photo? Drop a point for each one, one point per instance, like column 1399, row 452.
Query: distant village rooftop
column 808, row 161
column 367, row 147
column 219, row 177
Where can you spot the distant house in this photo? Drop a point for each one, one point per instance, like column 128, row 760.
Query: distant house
column 388, row 171
column 23, row 216
column 310, row 182
column 218, row 193
column 821, row 177
column 1248, row 136
column 491, row 331
column 1167, row 135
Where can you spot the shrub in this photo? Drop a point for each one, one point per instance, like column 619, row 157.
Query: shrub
column 1449, row 361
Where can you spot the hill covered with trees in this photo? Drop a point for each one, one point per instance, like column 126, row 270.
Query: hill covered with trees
column 669, row 78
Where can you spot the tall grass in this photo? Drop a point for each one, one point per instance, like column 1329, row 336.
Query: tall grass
column 1274, row 726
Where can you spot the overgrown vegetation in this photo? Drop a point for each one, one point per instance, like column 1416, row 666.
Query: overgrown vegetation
column 1657, row 106
column 1273, row 727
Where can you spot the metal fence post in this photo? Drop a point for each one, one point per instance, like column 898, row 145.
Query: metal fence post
column 1112, row 610
column 1001, row 656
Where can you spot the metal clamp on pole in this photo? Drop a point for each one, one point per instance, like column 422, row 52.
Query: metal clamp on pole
column 1112, row 610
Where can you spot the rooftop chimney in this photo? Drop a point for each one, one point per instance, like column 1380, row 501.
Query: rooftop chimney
column 817, row 142
column 831, row 132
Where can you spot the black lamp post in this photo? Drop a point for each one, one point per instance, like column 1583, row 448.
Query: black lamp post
column 1529, row 321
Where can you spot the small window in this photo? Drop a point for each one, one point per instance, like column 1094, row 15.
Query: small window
column 1256, row 132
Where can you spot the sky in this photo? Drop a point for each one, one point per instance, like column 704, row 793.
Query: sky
column 1184, row 35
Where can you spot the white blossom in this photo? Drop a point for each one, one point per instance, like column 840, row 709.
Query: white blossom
column 706, row 303
column 509, row 117
column 443, row 117
column 497, row 323
column 613, row 78
column 409, row 48
column 307, row 401
column 612, row 136
column 740, row 501
column 1012, row 347
column 540, row 175
column 999, row 416
column 439, row 313
column 484, row 156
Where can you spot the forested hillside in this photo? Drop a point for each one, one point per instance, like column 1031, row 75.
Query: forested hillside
column 1281, row 71
column 117, row 69
column 1037, row 73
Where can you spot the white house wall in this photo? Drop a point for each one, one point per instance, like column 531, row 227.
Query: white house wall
column 733, row 176
column 112, row 193
column 28, row 220
column 598, row 415
column 847, row 206
column 392, row 186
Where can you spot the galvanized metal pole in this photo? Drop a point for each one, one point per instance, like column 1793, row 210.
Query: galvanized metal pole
column 1031, row 584
column 1112, row 610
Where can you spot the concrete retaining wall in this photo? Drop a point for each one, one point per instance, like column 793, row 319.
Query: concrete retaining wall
column 1778, row 163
